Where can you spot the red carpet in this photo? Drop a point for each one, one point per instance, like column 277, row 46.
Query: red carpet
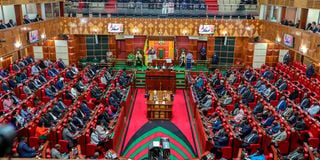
column 180, row 116
column 139, row 118
column 139, row 115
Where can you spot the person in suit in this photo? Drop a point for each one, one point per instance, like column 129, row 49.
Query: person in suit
column 314, row 109
column 305, row 103
column 26, row 19
column 85, row 109
column 10, row 23
column 274, row 128
column 287, row 58
column 293, row 95
column 221, row 140
column 26, row 89
column 297, row 154
column 94, row 138
column 283, row 86
column 56, row 154
column 244, row 129
column 38, row 18
column 300, row 125
column 288, row 112
column 279, row 82
column 281, row 135
column 59, row 84
column 310, row 71
column 61, row 64
column 69, row 74
column 12, row 83
column 207, row 105
column 49, row 93
column 24, row 150
column 96, row 93
column 272, row 95
column 252, row 138
column 282, row 105
column 2, row 25
column 268, row 122
column 216, row 124
column 268, row 74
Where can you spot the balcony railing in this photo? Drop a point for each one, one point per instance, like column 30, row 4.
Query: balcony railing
column 170, row 9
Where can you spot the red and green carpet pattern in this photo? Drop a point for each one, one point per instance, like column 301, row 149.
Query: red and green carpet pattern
column 141, row 132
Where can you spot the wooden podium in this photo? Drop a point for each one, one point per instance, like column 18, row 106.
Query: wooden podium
column 161, row 80
column 159, row 105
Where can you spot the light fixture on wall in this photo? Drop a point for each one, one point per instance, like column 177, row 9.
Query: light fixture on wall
column 83, row 20
column 278, row 39
column 248, row 28
column 135, row 30
column 43, row 36
column 185, row 32
column 1, row 59
column 304, row 49
column 17, row 44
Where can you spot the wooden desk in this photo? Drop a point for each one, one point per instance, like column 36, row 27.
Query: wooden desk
column 161, row 80
column 159, row 105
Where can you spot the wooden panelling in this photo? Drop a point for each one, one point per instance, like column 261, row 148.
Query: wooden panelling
column 293, row 3
column 302, row 38
column 18, row 13
column 20, row 33
column 161, row 27
column 8, row 2
column 210, row 47
column 240, row 51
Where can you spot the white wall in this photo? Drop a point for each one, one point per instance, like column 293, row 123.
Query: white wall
column 313, row 15
column 9, row 13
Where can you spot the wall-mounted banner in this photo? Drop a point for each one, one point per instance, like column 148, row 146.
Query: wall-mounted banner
column 206, row 29
column 115, row 27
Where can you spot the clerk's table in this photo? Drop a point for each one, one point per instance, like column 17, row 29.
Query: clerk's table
column 159, row 105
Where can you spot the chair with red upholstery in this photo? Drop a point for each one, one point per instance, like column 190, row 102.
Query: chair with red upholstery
column 90, row 149
column 34, row 142
column 64, row 146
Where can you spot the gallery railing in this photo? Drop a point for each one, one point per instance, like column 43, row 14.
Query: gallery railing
column 170, row 9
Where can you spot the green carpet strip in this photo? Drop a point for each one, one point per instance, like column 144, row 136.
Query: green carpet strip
column 145, row 146
column 153, row 131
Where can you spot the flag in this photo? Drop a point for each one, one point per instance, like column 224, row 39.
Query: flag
column 145, row 50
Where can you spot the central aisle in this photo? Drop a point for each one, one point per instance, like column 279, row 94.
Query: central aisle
column 140, row 132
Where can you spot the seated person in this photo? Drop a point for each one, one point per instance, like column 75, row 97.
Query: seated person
column 262, row 88
column 244, row 129
column 268, row 75
column 42, row 78
column 7, row 103
column 113, row 102
column 216, row 124
column 293, row 95
column 258, row 155
column 282, row 105
column 305, row 103
column 56, row 154
column 41, row 131
column 26, row 90
column 221, row 140
column 53, row 88
column 206, row 105
column 70, row 137
column 279, row 82
column 94, row 138
column 69, row 74
column 26, row 112
column 239, row 117
column 59, row 84
column 258, row 108
column 5, row 86
column 74, row 69
column 15, row 67
column 35, row 70
column 85, row 109
column 281, row 135
column 288, row 112
column 74, row 92
column 283, row 86
column 314, row 109
column 61, row 64
column 52, row 72
column 268, row 122
column 252, row 138
column 101, row 131
column 274, row 128
column 96, row 92
column 80, row 86
column 300, row 125
column 69, row 95
column 49, row 93
column 310, row 71
column 12, row 83
column 272, row 95
column 297, row 154
column 24, row 150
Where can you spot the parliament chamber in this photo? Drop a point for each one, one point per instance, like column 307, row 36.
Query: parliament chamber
column 165, row 79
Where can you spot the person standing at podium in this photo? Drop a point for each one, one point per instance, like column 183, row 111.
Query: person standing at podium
column 152, row 55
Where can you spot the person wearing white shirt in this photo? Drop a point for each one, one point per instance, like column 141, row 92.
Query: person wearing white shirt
column 74, row 92
column 102, row 133
column 94, row 138
column 103, row 80
column 314, row 109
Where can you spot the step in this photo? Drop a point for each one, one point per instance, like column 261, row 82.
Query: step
column 140, row 86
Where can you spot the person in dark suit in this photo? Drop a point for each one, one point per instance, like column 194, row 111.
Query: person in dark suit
column 69, row 74
column 85, row 109
column 305, row 103
column 59, row 84
column 268, row 121
column 61, row 64
column 282, row 105
column 5, row 86
column 2, row 25
column 221, row 140
column 12, row 83
column 283, row 86
column 38, row 18
column 286, row 58
column 252, row 138
column 245, row 129
column 26, row 19
column 272, row 95
column 10, row 23
column 96, row 93
column 300, row 125
column 294, row 94
column 310, row 71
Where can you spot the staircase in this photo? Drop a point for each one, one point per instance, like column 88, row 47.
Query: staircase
column 140, row 80
column 111, row 6
column 120, row 64
column 180, row 79
column 212, row 5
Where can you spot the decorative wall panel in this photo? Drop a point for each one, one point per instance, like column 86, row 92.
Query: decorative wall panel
column 161, row 27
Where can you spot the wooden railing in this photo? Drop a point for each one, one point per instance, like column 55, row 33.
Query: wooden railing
column 14, row 2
